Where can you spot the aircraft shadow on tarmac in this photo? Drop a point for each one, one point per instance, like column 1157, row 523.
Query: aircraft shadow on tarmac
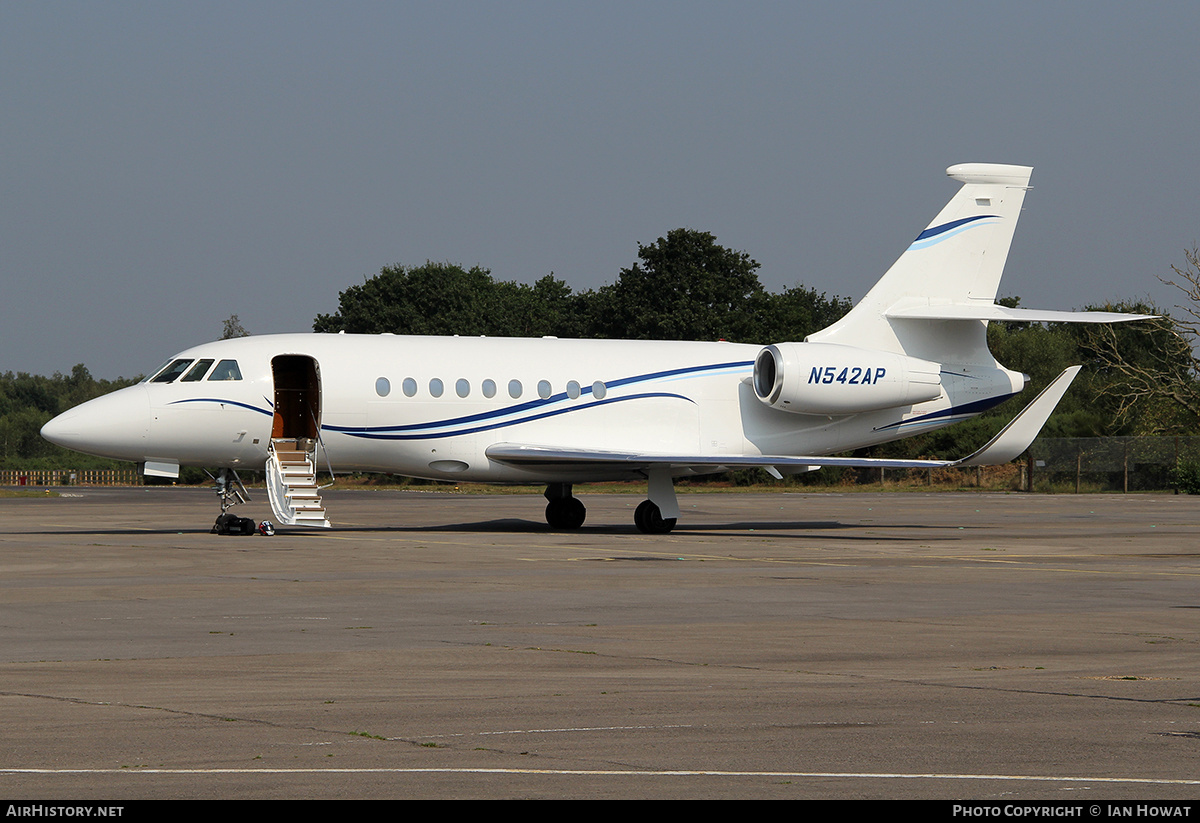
column 800, row 529
column 520, row 526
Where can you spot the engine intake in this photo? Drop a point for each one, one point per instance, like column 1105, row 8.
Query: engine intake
column 827, row 378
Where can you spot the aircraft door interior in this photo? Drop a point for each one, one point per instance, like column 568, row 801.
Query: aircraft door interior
column 297, row 398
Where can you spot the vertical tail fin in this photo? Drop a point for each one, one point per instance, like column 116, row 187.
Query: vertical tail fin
column 956, row 261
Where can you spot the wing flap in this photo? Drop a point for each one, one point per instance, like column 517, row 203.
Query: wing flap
column 533, row 456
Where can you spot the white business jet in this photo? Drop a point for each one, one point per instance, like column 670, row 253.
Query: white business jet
column 912, row 356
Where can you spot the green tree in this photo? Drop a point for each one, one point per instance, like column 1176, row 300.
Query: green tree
column 791, row 315
column 442, row 298
column 436, row 298
column 1151, row 370
column 232, row 328
column 548, row 307
column 28, row 401
column 1145, row 373
column 686, row 287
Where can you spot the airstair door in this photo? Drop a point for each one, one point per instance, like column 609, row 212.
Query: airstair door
column 295, row 432
column 297, row 397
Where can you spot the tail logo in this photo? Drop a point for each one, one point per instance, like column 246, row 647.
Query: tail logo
column 936, row 234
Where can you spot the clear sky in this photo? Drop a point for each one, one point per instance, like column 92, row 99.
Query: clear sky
column 166, row 165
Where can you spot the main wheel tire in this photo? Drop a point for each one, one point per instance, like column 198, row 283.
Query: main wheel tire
column 649, row 520
column 565, row 513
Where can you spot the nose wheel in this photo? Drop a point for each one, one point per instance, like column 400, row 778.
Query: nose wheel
column 228, row 487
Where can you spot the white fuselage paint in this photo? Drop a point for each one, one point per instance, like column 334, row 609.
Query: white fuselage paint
column 680, row 398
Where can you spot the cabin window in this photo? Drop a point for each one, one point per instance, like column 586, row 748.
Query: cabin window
column 514, row 389
column 409, row 386
column 573, row 390
column 489, row 388
column 544, row 389
column 599, row 390
column 435, row 387
column 172, row 371
column 383, row 387
column 197, row 371
column 462, row 387
column 226, row 370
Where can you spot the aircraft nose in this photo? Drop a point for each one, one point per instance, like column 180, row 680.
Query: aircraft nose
column 114, row 425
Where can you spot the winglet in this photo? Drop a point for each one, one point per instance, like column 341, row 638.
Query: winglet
column 1022, row 429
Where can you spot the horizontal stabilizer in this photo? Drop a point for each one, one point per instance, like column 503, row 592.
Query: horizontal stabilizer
column 960, row 311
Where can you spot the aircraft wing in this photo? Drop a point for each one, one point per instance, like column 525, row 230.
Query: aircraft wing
column 1013, row 439
column 531, row 456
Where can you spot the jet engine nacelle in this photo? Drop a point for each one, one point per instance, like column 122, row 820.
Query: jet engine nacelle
column 828, row 378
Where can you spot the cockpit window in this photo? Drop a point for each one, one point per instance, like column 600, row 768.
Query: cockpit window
column 151, row 375
column 226, row 370
column 197, row 371
column 173, row 370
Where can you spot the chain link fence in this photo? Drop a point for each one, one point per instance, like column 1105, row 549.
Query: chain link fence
column 1120, row 464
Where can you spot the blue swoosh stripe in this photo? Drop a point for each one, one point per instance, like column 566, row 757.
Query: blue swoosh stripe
column 428, row 429
column 223, row 402
column 936, row 234
column 954, row 411
column 378, row 435
column 688, row 371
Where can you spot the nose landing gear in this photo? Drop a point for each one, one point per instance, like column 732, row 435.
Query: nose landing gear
column 228, row 486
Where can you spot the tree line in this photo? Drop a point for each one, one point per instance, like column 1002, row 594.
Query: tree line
column 28, row 401
column 1138, row 378
column 684, row 287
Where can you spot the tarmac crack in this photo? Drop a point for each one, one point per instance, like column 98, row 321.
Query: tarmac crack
column 1183, row 701
column 121, row 705
column 224, row 718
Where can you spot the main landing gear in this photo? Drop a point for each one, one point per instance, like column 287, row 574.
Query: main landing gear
column 649, row 520
column 657, row 515
column 562, row 510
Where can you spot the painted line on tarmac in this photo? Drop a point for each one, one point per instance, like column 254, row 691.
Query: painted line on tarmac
column 625, row 773
column 547, row 731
